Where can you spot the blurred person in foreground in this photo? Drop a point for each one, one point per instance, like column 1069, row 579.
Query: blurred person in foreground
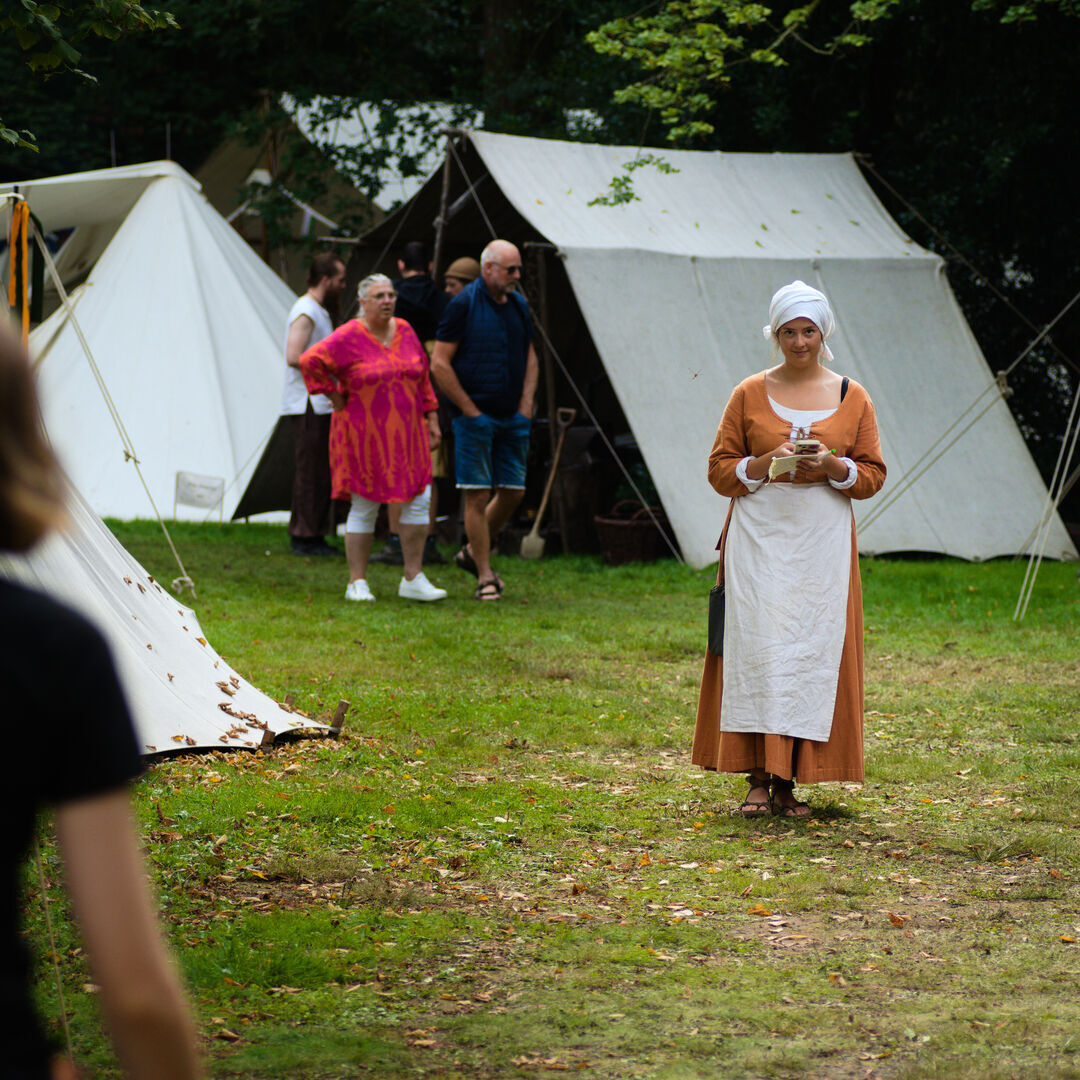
column 71, row 735
column 384, row 427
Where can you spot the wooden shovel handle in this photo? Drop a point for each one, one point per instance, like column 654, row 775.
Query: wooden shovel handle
column 564, row 418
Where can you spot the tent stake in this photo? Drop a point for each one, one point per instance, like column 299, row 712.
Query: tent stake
column 338, row 721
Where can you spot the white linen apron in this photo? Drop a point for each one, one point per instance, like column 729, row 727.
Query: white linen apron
column 787, row 565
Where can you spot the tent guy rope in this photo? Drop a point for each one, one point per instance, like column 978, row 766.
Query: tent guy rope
column 184, row 581
column 1054, row 495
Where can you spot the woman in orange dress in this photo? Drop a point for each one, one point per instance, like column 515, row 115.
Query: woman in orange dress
column 785, row 701
column 384, row 427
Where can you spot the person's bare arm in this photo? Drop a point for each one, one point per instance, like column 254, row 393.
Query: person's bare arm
column 528, row 387
column 443, row 373
column 140, row 992
column 298, row 339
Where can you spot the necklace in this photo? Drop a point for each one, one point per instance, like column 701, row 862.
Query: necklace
column 387, row 337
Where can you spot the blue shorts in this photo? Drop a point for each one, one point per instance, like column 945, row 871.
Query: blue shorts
column 490, row 453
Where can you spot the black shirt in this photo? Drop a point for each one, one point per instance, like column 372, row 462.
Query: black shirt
column 67, row 734
column 420, row 304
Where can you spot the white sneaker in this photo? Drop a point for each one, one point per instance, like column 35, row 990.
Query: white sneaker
column 419, row 589
column 358, row 590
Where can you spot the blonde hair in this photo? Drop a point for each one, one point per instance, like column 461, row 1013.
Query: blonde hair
column 31, row 484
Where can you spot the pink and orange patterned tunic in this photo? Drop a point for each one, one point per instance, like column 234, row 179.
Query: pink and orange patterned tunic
column 379, row 442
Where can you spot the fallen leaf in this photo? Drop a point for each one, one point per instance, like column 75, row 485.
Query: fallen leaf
column 758, row 909
column 898, row 920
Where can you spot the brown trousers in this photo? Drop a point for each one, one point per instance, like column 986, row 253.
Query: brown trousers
column 310, row 515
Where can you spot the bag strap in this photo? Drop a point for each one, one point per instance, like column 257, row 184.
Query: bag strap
column 843, row 387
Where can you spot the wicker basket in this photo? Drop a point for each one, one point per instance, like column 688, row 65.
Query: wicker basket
column 627, row 533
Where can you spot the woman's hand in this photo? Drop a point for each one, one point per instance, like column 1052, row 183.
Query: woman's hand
column 337, row 399
column 825, row 459
column 434, row 431
column 758, row 469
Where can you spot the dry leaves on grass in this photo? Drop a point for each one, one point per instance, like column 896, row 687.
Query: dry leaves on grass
column 549, row 1063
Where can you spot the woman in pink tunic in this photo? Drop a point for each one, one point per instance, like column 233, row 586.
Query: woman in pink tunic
column 384, row 427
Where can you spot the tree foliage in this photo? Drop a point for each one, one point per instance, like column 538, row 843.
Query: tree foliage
column 50, row 36
column 690, row 47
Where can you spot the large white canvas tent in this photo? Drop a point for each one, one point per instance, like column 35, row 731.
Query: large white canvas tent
column 669, row 293
column 185, row 324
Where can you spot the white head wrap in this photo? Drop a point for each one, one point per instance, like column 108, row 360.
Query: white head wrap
column 801, row 301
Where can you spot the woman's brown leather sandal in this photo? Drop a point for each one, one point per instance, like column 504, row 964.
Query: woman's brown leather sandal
column 788, row 810
column 754, row 807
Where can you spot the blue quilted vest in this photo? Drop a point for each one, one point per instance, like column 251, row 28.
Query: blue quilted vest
column 486, row 371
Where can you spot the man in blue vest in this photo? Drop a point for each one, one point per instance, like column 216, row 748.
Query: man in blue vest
column 485, row 363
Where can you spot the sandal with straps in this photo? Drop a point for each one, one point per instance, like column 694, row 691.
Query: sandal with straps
column 793, row 809
column 488, row 590
column 463, row 560
column 752, row 808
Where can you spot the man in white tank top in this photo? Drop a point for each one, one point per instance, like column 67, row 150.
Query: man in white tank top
column 310, row 320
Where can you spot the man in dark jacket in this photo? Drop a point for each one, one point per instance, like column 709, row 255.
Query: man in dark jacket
column 419, row 302
column 485, row 363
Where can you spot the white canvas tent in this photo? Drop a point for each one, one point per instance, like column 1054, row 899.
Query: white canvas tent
column 184, row 322
column 672, row 290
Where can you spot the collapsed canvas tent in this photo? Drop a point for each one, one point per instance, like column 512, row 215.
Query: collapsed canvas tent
column 666, row 295
column 182, row 694
column 185, row 324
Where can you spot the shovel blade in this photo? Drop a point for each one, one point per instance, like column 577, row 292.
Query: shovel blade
column 532, row 546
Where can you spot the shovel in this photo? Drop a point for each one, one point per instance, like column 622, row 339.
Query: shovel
column 532, row 544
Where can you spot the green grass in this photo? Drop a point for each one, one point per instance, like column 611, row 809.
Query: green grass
column 506, row 865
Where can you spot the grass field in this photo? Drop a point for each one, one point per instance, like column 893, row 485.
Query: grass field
column 507, row 867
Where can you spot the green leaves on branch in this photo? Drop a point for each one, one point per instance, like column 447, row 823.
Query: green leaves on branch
column 685, row 49
column 621, row 188
column 47, row 34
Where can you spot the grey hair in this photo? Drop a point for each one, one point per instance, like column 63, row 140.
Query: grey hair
column 364, row 287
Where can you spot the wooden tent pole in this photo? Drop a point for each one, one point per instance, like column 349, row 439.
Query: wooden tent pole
column 536, row 253
column 444, row 199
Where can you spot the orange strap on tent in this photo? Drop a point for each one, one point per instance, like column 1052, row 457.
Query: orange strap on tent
column 19, row 276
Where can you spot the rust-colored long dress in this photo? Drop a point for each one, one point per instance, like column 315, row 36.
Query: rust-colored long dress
column 750, row 427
